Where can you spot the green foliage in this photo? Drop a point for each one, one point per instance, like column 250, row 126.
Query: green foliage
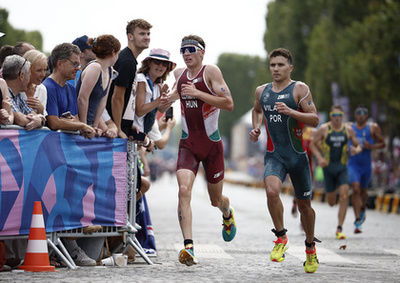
column 14, row 36
column 242, row 74
column 355, row 43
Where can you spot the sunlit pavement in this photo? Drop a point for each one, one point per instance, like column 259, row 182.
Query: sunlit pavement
column 372, row 256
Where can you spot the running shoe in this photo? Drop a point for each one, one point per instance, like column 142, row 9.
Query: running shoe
column 229, row 227
column 357, row 224
column 311, row 263
column 186, row 256
column 362, row 217
column 278, row 253
column 340, row 235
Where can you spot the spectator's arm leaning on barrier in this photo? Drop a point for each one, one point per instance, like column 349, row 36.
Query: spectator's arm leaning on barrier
column 69, row 123
column 6, row 114
column 117, row 105
column 107, row 125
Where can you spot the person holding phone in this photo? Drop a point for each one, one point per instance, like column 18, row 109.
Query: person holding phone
column 203, row 92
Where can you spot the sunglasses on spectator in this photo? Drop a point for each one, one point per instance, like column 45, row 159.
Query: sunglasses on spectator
column 75, row 64
column 336, row 114
column 362, row 112
column 190, row 49
column 20, row 70
column 158, row 62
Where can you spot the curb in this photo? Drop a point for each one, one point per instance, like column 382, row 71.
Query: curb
column 385, row 203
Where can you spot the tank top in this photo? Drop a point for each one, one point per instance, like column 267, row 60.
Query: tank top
column 364, row 134
column 198, row 117
column 96, row 95
column 334, row 147
column 284, row 132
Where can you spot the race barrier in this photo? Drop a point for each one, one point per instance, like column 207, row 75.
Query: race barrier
column 80, row 182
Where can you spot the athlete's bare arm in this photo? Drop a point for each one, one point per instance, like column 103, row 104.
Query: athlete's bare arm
column 355, row 148
column 302, row 95
column 379, row 141
column 319, row 136
column 257, row 115
column 222, row 99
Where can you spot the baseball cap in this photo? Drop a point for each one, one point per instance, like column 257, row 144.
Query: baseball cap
column 81, row 42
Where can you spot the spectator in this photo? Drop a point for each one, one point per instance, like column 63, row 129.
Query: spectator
column 22, row 47
column 6, row 114
column 36, row 94
column 95, row 80
column 19, row 49
column 62, row 106
column 151, row 75
column 17, row 75
column 86, row 56
column 150, row 78
column 6, row 50
column 138, row 34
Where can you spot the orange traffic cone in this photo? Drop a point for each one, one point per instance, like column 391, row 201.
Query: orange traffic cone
column 37, row 254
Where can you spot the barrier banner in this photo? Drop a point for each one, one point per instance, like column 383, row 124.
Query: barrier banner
column 79, row 181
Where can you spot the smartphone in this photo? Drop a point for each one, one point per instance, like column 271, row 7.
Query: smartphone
column 66, row 114
column 169, row 114
column 139, row 136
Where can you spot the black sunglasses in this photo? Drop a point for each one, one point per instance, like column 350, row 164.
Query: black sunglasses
column 20, row 70
column 158, row 62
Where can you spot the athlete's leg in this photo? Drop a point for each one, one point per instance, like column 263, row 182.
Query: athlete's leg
column 343, row 203
column 331, row 198
column 356, row 199
column 185, row 181
column 217, row 198
column 364, row 199
column 273, row 185
column 307, row 217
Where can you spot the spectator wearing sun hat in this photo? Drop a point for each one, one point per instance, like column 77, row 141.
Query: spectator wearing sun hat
column 150, row 85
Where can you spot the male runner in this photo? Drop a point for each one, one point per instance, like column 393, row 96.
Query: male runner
column 287, row 105
column 360, row 166
column 202, row 91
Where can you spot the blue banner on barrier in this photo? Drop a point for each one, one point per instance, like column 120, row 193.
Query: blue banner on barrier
column 80, row 182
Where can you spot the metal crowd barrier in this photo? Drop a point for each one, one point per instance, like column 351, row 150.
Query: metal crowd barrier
column 129, row 239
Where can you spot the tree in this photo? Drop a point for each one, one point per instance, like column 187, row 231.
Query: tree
column 242, row 74
column 16, row 35
column 353, row 43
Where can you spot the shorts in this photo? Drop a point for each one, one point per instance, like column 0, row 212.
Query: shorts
column 360, row 174
column 334, row 177
column 210, row 154
column 298, row 168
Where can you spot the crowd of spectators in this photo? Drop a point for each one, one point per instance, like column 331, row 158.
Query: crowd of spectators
column 87, row 87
